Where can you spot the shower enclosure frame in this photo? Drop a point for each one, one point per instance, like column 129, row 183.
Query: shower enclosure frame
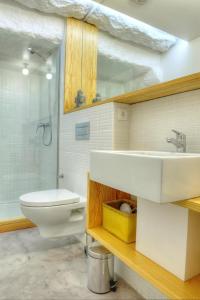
column 22, row 222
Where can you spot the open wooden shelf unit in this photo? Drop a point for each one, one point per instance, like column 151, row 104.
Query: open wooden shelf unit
column 160, row 278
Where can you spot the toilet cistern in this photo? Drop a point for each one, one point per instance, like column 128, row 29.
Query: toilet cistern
column 179, row 142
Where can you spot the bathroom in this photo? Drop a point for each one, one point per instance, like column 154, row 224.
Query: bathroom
column 84, row 86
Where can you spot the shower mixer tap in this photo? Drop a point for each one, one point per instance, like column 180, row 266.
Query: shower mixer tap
column 44, row 126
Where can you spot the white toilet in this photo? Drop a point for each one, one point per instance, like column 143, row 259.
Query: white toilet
column 56, row 212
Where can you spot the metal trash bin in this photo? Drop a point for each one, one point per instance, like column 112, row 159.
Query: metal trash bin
column 100, row 270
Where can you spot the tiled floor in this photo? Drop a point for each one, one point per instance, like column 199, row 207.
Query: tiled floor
column 32, row 268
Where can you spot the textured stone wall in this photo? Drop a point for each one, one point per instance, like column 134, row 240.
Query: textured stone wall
column 29, row 24
column 107, row 19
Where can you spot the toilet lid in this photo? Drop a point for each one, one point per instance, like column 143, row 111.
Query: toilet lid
column 49, row 198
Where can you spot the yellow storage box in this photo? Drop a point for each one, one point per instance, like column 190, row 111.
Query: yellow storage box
column 120, row 224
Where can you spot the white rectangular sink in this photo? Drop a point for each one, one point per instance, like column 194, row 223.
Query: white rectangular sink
column 153, row 175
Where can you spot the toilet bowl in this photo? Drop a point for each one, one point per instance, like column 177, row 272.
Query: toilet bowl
column 56, row 212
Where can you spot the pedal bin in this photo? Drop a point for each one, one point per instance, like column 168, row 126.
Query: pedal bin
column 100, row 270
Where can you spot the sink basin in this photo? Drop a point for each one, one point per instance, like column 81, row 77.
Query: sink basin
column 152, row 175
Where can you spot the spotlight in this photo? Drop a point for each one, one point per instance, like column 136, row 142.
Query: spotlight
column 49, row 75
column 25, row 70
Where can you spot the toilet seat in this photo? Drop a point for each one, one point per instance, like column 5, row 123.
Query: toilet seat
column 49, row 198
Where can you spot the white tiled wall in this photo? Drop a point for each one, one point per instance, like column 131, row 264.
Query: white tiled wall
column 106, row 133
column 152, row 121
column 19, row 109
column 74, row 155
column 25, row 164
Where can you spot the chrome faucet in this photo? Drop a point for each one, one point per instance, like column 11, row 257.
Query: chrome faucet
column 179, row 142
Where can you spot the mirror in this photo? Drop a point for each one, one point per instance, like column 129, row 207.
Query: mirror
column 124, row 67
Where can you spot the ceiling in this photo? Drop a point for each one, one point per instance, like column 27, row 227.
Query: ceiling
column 178, row 17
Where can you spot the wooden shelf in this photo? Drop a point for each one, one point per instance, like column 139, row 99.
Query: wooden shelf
column 192, row 204
column 166, row 282
column 15, row 224
column 160, row 278
column 172, row 87
column 88, row 106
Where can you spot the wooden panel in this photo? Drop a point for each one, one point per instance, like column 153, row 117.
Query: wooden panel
column 15, row 224
column 73, row 61
column 80, row 61
column 166, row 282
column 193, row 204
column 89, row 61
column 176, row 86
column 98, row 194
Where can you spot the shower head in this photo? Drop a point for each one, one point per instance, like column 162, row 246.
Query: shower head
column 33, row 51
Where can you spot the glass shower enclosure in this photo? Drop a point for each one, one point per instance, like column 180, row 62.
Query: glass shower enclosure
column 28, row 125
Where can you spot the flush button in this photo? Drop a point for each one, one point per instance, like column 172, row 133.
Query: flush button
column 82, row 131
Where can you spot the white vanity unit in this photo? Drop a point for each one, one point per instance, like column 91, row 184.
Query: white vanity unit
column 166, row 233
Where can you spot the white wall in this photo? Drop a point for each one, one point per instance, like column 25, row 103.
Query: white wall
column 152, row 121
column 180, row 60
column 74, row 155
column 106, row 133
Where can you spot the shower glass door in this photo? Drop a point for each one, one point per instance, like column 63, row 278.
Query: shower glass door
column 28, row 129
